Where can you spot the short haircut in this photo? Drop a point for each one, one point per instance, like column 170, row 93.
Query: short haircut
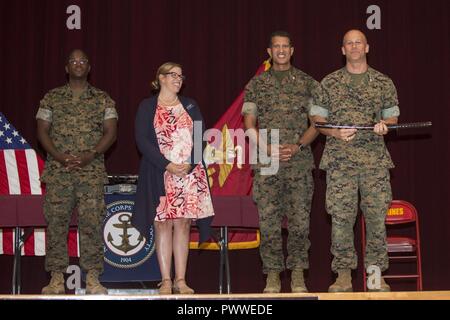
column 75, row 50
column 280, row 33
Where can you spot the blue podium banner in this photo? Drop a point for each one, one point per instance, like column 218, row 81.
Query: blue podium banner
column 129, row 255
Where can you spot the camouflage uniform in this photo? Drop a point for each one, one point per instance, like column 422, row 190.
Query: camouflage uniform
column 283, row 106
column 76, row 127
column 361, row 164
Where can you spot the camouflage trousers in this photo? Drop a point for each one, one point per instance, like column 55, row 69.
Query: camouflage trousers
column 288, row 193
column 60, row 200
column 342, row 204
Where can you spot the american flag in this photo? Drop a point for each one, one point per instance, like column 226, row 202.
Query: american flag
column 20, row 166
column 20, row 172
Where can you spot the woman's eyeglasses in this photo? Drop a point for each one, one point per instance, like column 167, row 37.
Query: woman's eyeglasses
column 175, row 75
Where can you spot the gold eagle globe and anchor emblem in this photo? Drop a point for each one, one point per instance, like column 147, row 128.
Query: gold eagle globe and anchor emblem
column 226, row 155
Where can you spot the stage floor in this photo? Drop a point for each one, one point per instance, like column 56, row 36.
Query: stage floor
column 410, row 295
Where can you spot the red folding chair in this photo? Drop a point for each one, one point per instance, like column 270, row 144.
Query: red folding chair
column 400, row 248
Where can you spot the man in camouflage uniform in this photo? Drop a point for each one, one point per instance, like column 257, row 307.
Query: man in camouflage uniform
column 280, row 99
column 357, row 160
column 76, row 124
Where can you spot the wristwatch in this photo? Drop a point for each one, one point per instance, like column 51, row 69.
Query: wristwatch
column 300, row 146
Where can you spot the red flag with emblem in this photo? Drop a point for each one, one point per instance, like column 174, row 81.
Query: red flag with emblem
column 229, row 170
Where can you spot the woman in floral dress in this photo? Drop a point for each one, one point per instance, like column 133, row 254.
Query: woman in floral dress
column 173, row 186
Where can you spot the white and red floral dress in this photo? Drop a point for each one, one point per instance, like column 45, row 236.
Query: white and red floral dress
column 189, row 196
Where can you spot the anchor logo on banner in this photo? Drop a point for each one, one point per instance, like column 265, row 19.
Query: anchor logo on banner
column 124, row 246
